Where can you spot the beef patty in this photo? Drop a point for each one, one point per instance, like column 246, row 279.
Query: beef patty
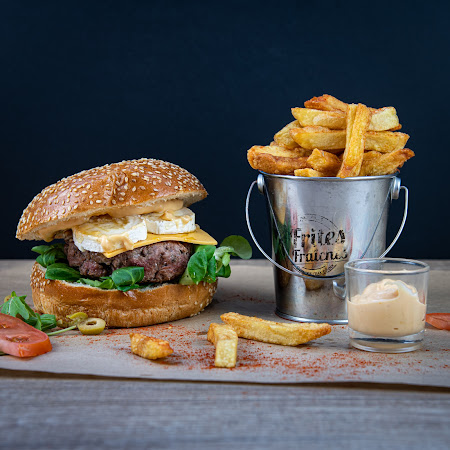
column 163, row 261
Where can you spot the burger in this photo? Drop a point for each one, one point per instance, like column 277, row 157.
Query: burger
column 128, row 236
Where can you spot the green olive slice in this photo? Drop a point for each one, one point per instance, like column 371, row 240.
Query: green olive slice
column 92, row 325
column 78, row 316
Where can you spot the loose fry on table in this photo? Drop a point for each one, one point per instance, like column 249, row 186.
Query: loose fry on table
column 308, row 172
column 225, row 340
column 334, row 140
column 375, row 163
column 327, row 103
column 149, row 347
column 284, row 139
column 273, row 332
column 324, row 162
column 277, row 160
column 382, row 119
column 358, row 117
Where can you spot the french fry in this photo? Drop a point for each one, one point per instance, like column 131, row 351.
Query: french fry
column 358, row 117
column 334, row 120
column 327, row 103
column 375, row 163
column 385, row 141
column 382, row 119
column 149, row 347
column 284, row 139
column 324, row 162
column 334, row 140
column 319, row 137
column 273, row 332
column 308, row 172
column 225, row 340
column 277, row 160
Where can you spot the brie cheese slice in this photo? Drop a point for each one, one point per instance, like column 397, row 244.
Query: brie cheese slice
column 170, row 222
column 106, row 234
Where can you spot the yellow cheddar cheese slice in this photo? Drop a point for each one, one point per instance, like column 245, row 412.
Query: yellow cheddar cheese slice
column 195, row 237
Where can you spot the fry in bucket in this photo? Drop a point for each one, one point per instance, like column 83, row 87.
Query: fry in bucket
column 275, row 159
column 327, row 103
column 375, row 163
column 334, row 141
column 319, row 137
column 324, row 162
column 334, row 120
column 284, row 139
column 291, row 334
column 384, row 119
column 385, row 141
column 308, row 172
column 358, row 117
column 327, row 111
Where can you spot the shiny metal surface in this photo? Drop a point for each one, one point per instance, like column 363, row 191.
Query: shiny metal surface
column 317, row 225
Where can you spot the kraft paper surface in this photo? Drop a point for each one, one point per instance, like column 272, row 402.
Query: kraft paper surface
column 249, row 291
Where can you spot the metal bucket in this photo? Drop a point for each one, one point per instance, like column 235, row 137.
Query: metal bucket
column 317, row 225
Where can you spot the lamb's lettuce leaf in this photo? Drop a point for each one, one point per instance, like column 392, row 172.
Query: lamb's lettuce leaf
column 208, row 262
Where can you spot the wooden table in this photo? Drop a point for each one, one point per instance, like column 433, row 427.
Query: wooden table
column 39, row 410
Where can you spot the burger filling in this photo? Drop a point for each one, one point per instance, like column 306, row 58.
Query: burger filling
column 162, row 261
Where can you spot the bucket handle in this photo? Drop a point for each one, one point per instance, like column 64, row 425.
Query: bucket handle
column 394, row 193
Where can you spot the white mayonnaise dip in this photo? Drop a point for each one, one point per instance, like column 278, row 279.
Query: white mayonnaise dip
column 387, row 308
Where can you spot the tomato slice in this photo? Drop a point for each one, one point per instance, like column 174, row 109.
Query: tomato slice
column 17, row 338
column 439, row 320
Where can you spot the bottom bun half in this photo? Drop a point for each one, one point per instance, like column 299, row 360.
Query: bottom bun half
column 135, row 308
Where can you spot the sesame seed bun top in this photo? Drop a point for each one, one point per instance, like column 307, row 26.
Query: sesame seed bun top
column 106, row 190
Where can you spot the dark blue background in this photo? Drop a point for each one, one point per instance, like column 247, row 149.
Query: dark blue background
column 198, row 83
